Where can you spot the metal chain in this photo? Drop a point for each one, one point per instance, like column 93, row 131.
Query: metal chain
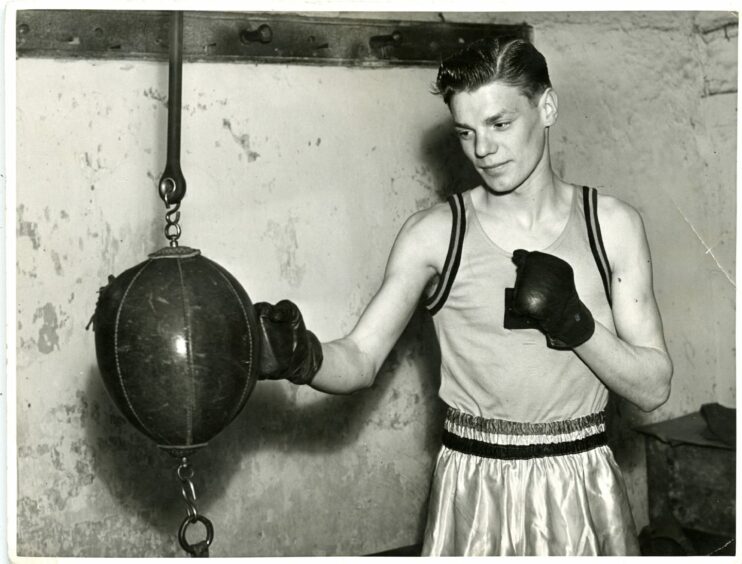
column 185, row 473
column 172, row 217
column 200, row 549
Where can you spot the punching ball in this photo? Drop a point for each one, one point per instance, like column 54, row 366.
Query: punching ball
column 176, row 336
column 176, row 345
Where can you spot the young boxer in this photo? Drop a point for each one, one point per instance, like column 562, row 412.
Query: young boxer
column 542, row 299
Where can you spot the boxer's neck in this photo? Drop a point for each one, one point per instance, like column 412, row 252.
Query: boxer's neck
column 540, row 197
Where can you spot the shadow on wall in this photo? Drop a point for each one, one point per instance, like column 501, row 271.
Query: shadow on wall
column 142, row 477
column 622, row 439
column 442, row 155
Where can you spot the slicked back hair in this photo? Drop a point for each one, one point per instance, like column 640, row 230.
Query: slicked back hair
column 512, row 61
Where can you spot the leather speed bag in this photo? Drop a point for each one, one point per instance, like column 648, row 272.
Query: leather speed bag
column 177, row 347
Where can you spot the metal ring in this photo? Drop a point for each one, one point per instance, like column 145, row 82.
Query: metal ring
column 185, row 466
column 169, row 234
column 184, row 526
column 167, row 187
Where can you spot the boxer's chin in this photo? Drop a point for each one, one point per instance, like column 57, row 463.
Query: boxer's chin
column 499, row 187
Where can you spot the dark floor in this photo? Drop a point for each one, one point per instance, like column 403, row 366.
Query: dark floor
column 694, row 543
column 413, row 550
column 689, row 543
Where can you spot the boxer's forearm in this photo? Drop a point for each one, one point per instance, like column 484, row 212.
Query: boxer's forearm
column 345, row 368
column 639, row 374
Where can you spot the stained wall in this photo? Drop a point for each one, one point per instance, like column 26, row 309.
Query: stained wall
column 298, row 180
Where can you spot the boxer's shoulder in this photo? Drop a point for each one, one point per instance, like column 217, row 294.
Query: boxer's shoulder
column 617, row 215
column 428, row 231
column 431, row 224
column 622, row 228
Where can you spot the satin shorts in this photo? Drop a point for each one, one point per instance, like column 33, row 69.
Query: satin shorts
column 504, row 488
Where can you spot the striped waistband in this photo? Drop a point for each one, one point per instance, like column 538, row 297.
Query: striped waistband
column 510, row 440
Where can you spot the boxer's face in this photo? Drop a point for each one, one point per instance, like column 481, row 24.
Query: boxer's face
column 503, row 133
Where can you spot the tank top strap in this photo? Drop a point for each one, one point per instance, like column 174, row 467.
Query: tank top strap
column 458, row 228
column 453, row 256
column 590, row 204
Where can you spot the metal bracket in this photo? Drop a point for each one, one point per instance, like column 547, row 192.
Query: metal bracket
column 247, row 37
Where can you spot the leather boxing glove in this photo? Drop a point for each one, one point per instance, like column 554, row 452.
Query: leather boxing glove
column 545, row 291
column 288, row 351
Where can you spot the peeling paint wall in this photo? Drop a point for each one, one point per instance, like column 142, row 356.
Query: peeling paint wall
column 302, row 198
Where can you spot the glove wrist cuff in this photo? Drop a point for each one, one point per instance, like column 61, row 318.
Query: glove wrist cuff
column 307, row 370
column 577, row 328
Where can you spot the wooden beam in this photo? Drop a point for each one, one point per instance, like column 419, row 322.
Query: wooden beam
column 276, row 37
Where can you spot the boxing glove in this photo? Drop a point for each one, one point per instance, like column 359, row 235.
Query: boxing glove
column 288, row 351
column 545, row 292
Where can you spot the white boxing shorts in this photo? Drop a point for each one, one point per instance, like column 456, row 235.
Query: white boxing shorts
column 503, row 488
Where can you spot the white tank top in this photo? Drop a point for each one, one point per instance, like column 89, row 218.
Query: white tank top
column 493, row 372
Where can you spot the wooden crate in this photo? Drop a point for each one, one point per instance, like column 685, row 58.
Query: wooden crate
column 690, row 476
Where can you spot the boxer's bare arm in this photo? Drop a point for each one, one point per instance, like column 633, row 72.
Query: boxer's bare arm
column 352, row 362
column 635, row 365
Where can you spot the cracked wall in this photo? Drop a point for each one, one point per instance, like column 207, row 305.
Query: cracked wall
column 302, row 199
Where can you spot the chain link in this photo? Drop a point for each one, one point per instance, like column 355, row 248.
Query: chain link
column 172, row 217
column 187, row 489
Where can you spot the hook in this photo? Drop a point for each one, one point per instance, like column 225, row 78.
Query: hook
column 383, row 45
column 264, row 34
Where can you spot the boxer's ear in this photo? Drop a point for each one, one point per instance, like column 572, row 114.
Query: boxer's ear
column 549, row 107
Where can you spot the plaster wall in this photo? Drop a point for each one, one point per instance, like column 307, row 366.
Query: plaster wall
column 298, row 181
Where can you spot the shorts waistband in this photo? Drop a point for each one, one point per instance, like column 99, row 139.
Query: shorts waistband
column 512, row 440
column 457, row 418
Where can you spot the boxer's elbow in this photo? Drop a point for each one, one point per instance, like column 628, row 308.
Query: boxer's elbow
column 344, row 369
column 366, row 367
column 661, row 384
column 657, row 399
